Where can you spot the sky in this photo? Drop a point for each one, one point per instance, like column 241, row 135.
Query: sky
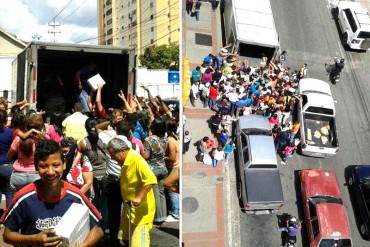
column 29, row 18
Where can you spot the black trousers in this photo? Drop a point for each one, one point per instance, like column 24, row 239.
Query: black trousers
column 112, row 191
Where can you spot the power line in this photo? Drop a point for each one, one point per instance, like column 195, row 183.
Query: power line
column 65, row 6
column 74, row 11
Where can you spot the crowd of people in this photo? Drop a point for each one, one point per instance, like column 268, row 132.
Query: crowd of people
column 232, row 88
column 118, row 158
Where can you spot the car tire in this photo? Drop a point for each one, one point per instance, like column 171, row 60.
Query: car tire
column 344, row 40
column 364, row 231
column 335, row 13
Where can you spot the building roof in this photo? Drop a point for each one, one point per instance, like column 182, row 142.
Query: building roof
column 13, row 37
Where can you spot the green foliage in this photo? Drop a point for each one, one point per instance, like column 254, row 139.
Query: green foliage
column 161, row 57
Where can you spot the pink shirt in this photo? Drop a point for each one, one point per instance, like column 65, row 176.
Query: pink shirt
column 138, row 143
column 53, row 134
column 23, row 163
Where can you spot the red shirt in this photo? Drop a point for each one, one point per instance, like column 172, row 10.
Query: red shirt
column 213, row 93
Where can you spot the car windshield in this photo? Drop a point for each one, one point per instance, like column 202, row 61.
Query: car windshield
column 364, row 35
column 365, row 181
column 259, row 132
column 335, row 243
column 325, row 199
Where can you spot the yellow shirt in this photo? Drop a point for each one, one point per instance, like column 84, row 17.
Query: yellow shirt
column 135, row 174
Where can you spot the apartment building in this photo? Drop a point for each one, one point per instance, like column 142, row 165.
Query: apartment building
column 138, row 24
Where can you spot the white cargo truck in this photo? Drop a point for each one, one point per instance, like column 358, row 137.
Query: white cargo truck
column 39, row 60
column 249, row 26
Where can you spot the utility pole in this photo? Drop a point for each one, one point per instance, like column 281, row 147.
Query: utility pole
column 54, row 25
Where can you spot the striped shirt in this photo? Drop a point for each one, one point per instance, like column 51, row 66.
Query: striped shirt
column 30, row 214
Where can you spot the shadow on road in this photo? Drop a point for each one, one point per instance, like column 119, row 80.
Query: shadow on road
column 299, row 204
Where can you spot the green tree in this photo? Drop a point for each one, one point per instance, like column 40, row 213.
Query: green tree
column 161, row 57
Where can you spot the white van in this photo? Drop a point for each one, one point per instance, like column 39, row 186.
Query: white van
column 354, row 22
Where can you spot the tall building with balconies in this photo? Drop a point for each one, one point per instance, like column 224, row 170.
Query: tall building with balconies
column 138, row 24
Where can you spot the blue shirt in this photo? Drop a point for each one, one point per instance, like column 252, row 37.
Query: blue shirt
column 5, row 142
column 30, row 214
column 243, row 102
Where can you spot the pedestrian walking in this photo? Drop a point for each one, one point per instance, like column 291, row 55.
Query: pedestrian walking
column 137, row 180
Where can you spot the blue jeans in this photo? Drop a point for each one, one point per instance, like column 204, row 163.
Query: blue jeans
column 196, row 13
column 211, row 103
column 19, row 179
column 83, row 98
column 5, row 173
column 174, row 208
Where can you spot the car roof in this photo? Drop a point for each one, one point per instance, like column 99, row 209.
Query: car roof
column 362, row 171
column 333, row 220
column 262, row 150
column 316, row 182
column 311, row 84
column 321, row 100
column 254, row 122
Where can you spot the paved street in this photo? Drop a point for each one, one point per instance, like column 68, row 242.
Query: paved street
column 206, row 207
column 308, row 33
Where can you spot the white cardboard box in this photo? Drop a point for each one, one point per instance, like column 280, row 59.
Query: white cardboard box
column 74, row 226
column 95, row 81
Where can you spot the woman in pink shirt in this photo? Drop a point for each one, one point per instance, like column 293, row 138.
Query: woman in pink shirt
column 23, row 150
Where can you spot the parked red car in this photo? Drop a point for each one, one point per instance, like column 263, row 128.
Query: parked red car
column 326, row 219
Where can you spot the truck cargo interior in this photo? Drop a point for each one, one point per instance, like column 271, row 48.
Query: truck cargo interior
column 112, row 67
column 255, row 51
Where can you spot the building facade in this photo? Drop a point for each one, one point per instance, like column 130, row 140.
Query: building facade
column 10, row 47
column 138, row 24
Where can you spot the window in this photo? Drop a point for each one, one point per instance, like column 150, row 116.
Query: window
column 110, row 41
column 364, row 35
column 151, row 41
column 351, row 20
column 123, row 37
column 269, row 166
column 151, row 17
column 169, row 15
column 314, row 220
column 320, row 110
column 151, row 4
column 109, row 12
column 245, row 155
column 109, row 22
column 152, row 29
column 337, row 243
column 110, row 31
column 109, row 2
column 244, row 140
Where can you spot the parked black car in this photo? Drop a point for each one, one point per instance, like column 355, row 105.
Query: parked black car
column 359, row 186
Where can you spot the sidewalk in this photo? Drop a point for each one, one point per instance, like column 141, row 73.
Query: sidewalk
column 203, row 197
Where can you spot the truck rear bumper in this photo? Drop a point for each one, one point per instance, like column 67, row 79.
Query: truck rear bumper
column 319, row 152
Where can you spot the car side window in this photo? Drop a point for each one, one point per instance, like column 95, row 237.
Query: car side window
column 304, row 100
column 245, row 148
column 245, row 155
column 351, row 20
column 314, row 220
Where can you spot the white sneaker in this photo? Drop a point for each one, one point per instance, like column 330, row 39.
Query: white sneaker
column 170, row 218
column 283, row 163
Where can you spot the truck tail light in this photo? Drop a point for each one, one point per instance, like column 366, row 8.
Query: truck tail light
column 356, row 41
column 246, row 205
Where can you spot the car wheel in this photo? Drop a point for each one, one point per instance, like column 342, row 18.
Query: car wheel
column 344, row 40
column 350, row 181
column 363, row 230
column 335, row 12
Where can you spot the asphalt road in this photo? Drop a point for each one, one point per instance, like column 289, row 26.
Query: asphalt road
column 309, row 34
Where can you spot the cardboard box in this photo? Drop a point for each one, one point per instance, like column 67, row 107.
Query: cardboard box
column 74, row 226
column 95, row 81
